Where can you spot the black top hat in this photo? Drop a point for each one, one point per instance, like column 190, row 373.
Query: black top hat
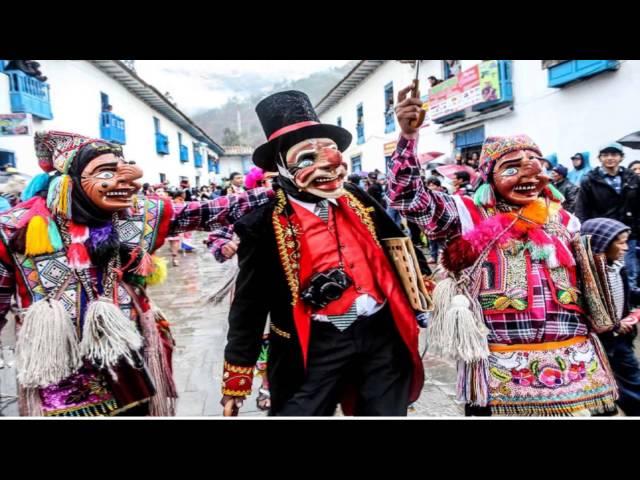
column 289, row 118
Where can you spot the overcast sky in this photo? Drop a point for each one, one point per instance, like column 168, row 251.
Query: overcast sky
column 202, row 84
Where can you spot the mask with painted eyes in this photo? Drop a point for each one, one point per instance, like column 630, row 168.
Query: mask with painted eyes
column 519, row 178
column 111, row 182
column 315, row 166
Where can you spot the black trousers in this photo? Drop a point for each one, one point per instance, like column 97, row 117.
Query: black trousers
column 369, row 357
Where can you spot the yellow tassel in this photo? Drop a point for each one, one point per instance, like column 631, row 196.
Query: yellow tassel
column 63, row 198
column 159, row 275
column 38, row 242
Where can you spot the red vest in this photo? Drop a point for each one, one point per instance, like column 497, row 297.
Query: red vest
column 319, row 251
column 387, row 285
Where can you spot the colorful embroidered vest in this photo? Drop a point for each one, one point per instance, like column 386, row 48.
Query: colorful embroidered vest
column 38, row 276
column 504, row 284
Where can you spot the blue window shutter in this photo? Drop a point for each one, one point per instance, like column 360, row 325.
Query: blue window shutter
column 356, row 164
column 445, row 71
column 572, row 70
column 104, row 100
column 475, row 136
column 360, row 124
column 389, row 114
column 470, row 138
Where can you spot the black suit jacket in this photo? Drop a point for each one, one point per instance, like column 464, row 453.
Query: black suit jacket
column 262, row 290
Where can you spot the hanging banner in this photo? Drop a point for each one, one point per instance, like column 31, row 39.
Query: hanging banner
column 478, row 84
column 15, row 124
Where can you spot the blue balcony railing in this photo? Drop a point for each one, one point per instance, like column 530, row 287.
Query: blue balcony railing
column 162, row 144
column 184, row 153
column 360, row 132
column 29, row 95
column 112, row 128
column 197, row 159
column 568, row 72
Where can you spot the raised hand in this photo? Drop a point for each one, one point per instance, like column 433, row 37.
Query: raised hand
column 408, row 111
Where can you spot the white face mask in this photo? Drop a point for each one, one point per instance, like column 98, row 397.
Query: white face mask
column 315, row 166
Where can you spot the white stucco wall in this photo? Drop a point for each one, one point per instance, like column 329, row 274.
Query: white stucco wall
column 75, row 88
column 371, row 94
column 230, row 164
column 579, row 117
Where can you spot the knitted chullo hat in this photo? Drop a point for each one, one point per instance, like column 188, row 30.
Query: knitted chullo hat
column 56, row 152
column 495, row 148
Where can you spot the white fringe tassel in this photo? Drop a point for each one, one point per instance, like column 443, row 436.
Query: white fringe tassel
column 467, row 337
column 443, row 293
column 47, row 345
column 108, row 335
column 29, row 402
column 457, row 330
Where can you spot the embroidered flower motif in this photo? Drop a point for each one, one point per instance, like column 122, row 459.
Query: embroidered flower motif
column 550, row 376
column 523, row 377
column 513, row 298
column 500, row 375
column 568, row 295
column 577, row 371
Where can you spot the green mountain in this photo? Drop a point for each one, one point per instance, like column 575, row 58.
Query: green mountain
column 236, row 123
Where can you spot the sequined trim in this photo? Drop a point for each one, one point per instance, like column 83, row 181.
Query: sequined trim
column 277, row 331
column 236, row 393
column 96, row 410
column 129, row 407
column 287, row 247
column 236, row 369
column 364, row 213
column 286, row 233
column 236, row 380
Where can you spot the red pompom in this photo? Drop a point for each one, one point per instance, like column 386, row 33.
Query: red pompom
column 458, row 255
column 78, row 256
column 78, row 233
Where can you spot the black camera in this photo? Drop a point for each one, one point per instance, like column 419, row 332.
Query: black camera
column 325, row 287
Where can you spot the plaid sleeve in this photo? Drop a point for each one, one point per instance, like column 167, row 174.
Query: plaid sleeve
column 7, row 287
column 218, row 239
column 434, row 212
column 219, row 212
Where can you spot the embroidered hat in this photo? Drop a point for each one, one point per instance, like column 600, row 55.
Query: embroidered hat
column 56, row 150
column 495, row 148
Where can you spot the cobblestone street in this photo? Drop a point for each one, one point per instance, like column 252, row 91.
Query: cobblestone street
column 200, row 332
